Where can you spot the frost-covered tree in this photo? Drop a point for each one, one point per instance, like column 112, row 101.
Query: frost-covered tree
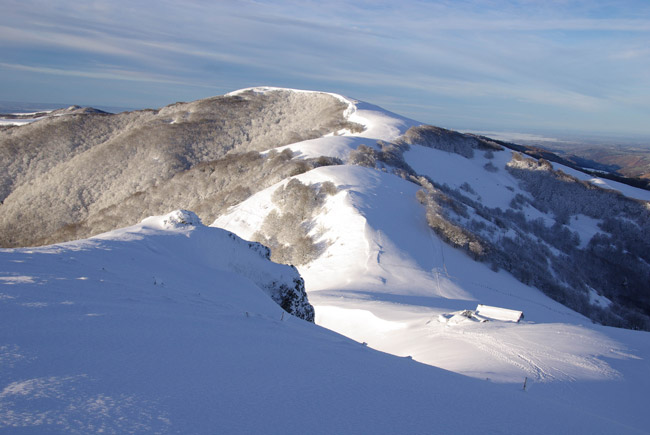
column 286, row 229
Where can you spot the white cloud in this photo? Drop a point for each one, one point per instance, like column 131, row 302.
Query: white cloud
column 90, row 43
column 106, row 73
column 521, row 53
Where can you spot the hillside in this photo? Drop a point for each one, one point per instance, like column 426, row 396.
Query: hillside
column 79, row 173
column 166, row 327
column 401, row 232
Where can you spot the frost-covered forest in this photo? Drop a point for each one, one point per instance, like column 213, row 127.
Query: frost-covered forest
column 543, row 251
column 85, row 172
column 66, row 177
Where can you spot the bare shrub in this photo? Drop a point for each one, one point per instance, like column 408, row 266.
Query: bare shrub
column 363, row 156
column 489, row 166
column 328, row 188
column 615, row 263
column 467, row 188
column 208, row 189
column 448, row 231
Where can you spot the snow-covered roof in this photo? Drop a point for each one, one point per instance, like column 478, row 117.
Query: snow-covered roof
column 498, row 313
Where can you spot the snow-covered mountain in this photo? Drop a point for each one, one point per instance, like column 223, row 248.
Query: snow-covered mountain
column 400, row 232
column 83, row 173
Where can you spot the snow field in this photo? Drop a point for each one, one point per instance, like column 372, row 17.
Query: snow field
column 385, row 278
column 148, row 329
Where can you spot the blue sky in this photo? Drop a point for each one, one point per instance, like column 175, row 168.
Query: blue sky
column 537, row 66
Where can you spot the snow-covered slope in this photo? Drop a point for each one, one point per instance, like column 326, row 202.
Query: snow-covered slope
column 163, row 328
column 386, row 279
column 168, row 326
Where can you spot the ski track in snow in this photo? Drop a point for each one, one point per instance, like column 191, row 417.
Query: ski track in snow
column 542, row 362
column 401, row 261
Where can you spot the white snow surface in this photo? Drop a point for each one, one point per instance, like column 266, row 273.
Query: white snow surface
column 163, row 327
column 498, row 188
column 586, row 227
column 160, row 328
column 385, row 278
column 383, row 259
column 23, row 121
column 493, row 189
column 18, row 122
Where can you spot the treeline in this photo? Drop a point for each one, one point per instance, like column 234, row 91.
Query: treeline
column 615, row 263
column 286, row 230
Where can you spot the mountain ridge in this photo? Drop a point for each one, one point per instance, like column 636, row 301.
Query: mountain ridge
column 400, row 232
column 137, row 150
column 176, row 158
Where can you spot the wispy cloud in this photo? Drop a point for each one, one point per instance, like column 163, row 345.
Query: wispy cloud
column 89, row 43
column 106, row 73
column 540, row 58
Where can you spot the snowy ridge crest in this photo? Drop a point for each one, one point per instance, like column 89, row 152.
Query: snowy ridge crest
column 180, row 218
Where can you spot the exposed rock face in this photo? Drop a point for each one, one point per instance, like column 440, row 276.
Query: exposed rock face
column 293, row 299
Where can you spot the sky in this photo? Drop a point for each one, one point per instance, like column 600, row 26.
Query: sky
column 500, row 65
